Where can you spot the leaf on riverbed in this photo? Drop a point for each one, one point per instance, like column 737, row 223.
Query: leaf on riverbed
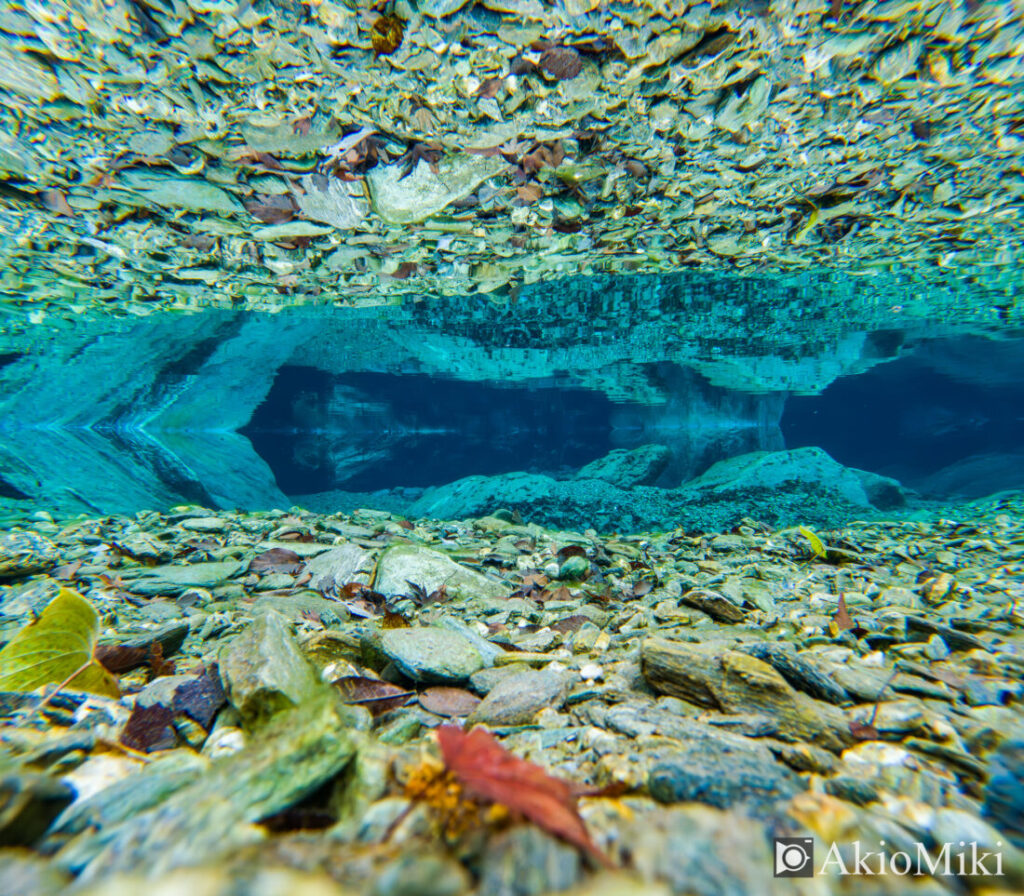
column 817, row 545
column 487, row 771
column 841, row 622
column 377, row 696
column 276, row 560
column 54, row 647
column 447, row 701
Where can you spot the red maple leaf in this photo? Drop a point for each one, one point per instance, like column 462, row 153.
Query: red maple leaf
column 487, row 771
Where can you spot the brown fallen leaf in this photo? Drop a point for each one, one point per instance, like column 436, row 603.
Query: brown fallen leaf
column 487, row 771
column 841, row 622
column 562, row 63
column 490, row 88
column 276, row 560
column 450, row 702
column 377, row 696
column 272, row 209
column 118, row 658
column 158, row 666
column 569, row 624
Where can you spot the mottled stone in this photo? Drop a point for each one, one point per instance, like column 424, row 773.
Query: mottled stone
column 402, row 564
column 516, row 699
column 174, row 579
column 340, row 565
column 431, row 655
column 526, row 861
column 736, row 683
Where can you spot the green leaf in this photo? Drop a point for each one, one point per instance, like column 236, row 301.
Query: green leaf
column 56, row 645
column 817, row 545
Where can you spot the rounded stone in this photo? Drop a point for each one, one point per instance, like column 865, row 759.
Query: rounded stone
column 431, row 655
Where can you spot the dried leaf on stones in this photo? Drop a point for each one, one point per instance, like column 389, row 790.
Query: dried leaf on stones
column 377, row 696
column 448, row 701
column 487, row 771
column 386, row 35
column 276, row 560
column 842, row 621
column 563, row 63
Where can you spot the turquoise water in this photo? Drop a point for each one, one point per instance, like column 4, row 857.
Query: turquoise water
column 451, row 406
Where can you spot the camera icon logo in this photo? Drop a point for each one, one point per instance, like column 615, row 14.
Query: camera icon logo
column 794, row 857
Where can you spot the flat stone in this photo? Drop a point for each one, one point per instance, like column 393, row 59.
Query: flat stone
column 402, row 564
column 431, row 655
column 722, row 770
column 516, row 699
column 175, row 578
column 339, row 566
column 205, row 524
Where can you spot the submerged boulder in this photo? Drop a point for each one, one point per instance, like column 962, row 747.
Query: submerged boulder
column 625, row 468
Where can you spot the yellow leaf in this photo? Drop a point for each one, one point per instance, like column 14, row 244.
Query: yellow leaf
column 52, row 648
column 817, row 545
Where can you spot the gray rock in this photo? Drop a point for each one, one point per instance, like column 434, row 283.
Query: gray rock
column 205, row 524
column 772, row 471
column 625, row 468
column 485, row 680
column 401, row 197
column 176, row 578
column 124, row 799
column 296, row 603
column 516, row 699
column 525, row 861
column 1004, row 795
column 574, row 569
column 799, row 671
column 722, row 770
column 422, row 874
column 263, row 670
column 337, row 567
column 431, row 655
column 703, row 851
column 405, row 563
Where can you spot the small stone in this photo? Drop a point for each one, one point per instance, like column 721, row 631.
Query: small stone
column 936, row 648
column 431, row 655
column 205, row 524
column 515, row 700
column 574, row 569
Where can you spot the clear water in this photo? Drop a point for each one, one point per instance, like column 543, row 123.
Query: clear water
column 393, row 407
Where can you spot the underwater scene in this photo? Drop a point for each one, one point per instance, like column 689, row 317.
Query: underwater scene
column 512, row 447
